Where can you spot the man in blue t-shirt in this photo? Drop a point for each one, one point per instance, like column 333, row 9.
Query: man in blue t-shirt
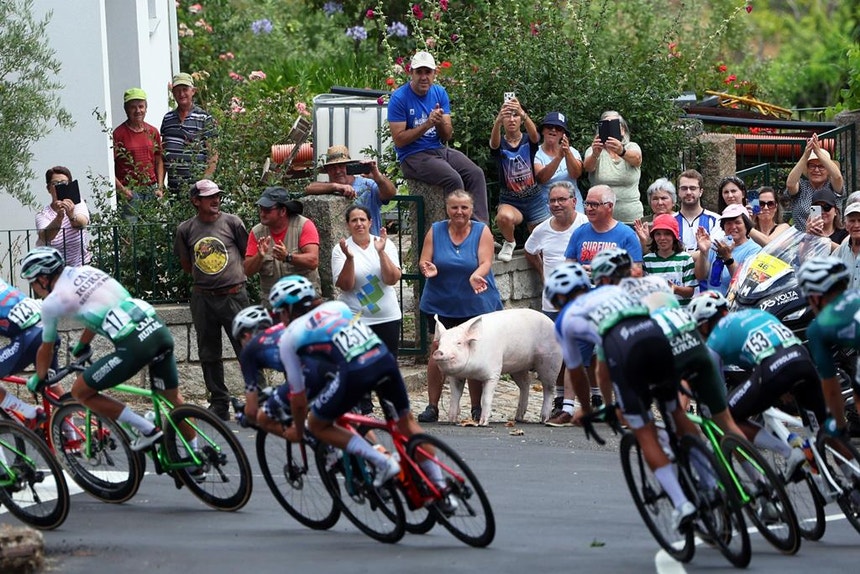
column 371, row 191
column 602, row 231
column 419, row 115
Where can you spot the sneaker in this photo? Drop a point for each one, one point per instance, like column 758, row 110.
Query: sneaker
column 386, row 472
column 37, row 421
column 683, row 515
column 596, row 401
column 144, row 441
column 507, row 251
column 221, row 411
column 430, row 415
column 448, row 505
column 564, row 419
column 197, row 474
column 476, row 414
column 793, row 462
column 557, row 404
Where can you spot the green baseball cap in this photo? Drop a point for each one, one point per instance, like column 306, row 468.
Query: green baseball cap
column 133, row 94
column 183, row 79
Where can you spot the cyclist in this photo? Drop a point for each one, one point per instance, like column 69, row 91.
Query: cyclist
column 638, row 357
column 824, row 283
column 104, row 307
column 694, row 363
column 20, row 322
column 755, row 339
column 330, row 332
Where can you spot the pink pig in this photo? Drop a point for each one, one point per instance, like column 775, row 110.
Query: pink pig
column 513, row 341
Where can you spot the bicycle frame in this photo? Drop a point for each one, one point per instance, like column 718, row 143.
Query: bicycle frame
column 714, row 433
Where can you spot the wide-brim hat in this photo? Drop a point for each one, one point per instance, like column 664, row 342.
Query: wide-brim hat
column 666, row 222
column 337, row 154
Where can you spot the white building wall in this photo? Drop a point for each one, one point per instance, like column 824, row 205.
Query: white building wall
column 105, row 47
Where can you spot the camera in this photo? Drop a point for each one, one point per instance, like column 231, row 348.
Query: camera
column 357, row 168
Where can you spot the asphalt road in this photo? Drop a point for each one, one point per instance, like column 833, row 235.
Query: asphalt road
column 560, row 503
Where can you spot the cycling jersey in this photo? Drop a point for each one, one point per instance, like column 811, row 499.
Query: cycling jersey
column 838, row 324
column 96, row 300
column 653, row 291
column 745, row 338
column 17, row 311
column 261, row 352
column 332, row 333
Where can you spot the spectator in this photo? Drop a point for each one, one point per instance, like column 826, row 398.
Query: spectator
column 210, row 247
column 456, row 259
column 662, row 198
column 556, row 160
column 602, row 231
column 821, row 173
column 830, row 222
column 419, row 115
column 728, row 253
column 767, row 223
column 668, row 260
column 187, row 133
column 849, row 250
column 62, row 223
column 365, row 267
column 545, row 250
column 138, row 164
column 372, row 192
column 520, row 196
column 732, row 190
column 617, row 164
column 691, row 214
column 283, row 243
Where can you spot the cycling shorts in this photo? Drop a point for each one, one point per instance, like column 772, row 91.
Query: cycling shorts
column 694, row 364
column 641, row 365
column 150, row 340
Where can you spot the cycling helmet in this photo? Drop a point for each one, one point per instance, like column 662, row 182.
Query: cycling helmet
column 818, row 276
column 613, row 263
column 564, row 280
column 291, row 290
column 707, row 305
column 252, row 319
column 41, row 261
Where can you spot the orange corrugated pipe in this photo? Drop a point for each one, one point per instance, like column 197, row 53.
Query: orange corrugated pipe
column 280, row 153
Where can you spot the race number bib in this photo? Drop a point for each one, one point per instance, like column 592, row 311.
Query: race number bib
column 355, row 340
column 25, row 313
column 123, row 319
column 762, row 342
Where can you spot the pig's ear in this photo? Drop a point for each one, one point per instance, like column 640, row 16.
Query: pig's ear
column 440, row 328
column 473, row 333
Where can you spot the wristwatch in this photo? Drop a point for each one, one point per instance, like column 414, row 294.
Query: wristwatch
column 623, row 151
column 289, row 257
column 728, row 261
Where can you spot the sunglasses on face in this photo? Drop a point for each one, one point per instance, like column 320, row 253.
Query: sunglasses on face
column 767, row 204
column 824, row 207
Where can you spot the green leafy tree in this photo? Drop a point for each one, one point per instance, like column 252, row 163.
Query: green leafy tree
column 29, row 105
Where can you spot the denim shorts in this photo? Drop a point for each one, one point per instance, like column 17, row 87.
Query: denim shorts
column 534, row 208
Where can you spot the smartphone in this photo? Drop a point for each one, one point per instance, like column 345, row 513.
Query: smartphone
column 68, row 191
column 814, row 211
column 357, row 168
column 609, row 129
column 510, row 96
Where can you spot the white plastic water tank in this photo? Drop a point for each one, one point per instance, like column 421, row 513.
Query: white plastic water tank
column 351, row 121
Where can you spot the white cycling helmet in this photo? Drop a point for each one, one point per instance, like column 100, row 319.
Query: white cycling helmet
column 252, row 319
column 564, row 280
column 291, row 290
column 613, row 263
column 818, row 276
column 41, row 261
column 707, row 305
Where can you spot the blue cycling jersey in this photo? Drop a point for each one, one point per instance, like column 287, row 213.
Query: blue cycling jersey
column 747, row 337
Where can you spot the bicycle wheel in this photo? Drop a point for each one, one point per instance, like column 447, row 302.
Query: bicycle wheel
column 378, row 512
column 296, row 483
column 843, row 461
column 223, row 479
column 419, row 520
column 708, row 484
column 807, row 502
column 469, row 515
column 769, row 508
column 654, row 505
column 32, row 485
column 96, row 453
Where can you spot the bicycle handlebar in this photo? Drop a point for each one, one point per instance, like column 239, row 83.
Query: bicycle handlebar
column 75, row 366
column 605, row 413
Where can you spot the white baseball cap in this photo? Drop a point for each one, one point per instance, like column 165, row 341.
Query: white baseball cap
column 423, row 60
